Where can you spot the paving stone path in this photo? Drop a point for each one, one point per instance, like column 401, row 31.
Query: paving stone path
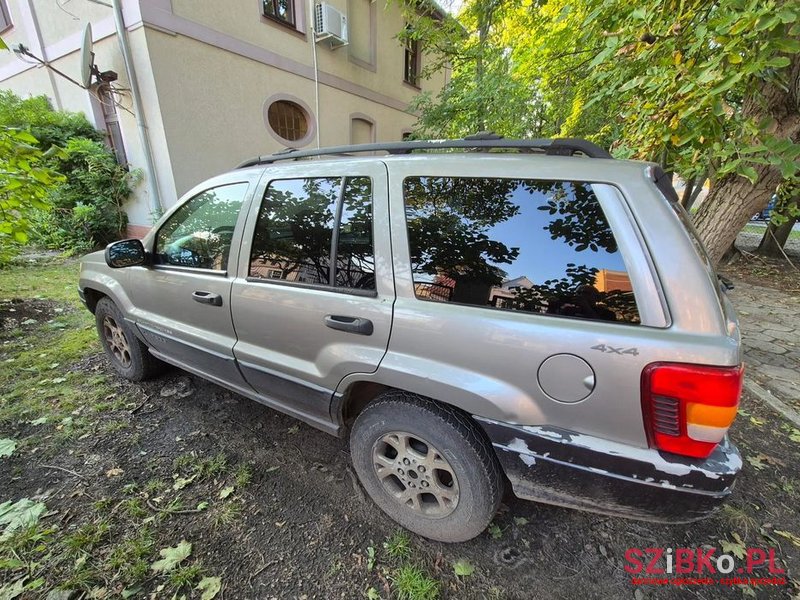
column 770, row 324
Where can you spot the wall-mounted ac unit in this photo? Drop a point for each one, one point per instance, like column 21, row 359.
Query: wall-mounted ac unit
column 330, row 24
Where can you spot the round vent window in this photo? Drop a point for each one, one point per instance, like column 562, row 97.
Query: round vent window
column 288, row 120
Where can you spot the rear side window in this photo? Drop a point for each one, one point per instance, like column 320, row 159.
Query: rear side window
column 516, row 244
column 316, row 231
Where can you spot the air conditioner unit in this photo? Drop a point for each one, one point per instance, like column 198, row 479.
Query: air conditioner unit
column 330, row 24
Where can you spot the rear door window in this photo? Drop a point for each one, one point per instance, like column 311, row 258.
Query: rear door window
column 316, row 231
column 526, row 245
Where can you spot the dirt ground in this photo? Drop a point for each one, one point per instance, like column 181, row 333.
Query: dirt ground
column 272, row 507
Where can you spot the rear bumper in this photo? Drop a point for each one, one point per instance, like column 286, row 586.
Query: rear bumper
column 579, row 471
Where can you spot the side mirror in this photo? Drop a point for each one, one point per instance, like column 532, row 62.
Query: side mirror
column 125, row 253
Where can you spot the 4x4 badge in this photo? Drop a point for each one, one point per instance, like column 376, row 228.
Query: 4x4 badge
column 612, row 350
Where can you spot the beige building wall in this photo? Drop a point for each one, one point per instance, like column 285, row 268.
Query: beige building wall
column 206, row 73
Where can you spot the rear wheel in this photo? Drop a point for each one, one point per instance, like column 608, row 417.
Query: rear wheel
column 427, row 466
column 128, row 355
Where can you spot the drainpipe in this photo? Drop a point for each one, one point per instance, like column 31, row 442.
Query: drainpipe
column 144, row 138
column 313, row 28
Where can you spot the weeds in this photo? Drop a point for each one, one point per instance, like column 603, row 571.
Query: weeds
column 185, row 576
column 399, row 545
column 86, row 537
column 411, row 583
column 227, row 514
column 244, row 475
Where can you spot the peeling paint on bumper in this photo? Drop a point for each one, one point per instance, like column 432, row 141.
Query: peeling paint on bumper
column 588, row 473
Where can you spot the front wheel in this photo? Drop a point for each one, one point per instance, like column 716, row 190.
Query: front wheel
column 128, row 355
column 427, row 466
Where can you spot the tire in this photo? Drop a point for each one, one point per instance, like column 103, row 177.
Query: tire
column 128, row 355
column 395, row 445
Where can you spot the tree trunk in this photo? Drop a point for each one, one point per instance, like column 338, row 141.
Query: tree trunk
column 775, row 236
column 688, row 188
column 729, row 206
column 733, row 199
column 698, row 189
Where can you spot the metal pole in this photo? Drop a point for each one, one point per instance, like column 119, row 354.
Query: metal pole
column 150, row 171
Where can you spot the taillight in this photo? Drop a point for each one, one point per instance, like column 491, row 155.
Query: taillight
column 689, row 408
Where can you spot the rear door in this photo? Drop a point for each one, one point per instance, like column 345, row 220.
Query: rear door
column 313, row 300
column 182, row 302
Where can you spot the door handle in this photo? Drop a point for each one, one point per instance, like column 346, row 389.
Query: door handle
column 207, row 298
column 350, row 324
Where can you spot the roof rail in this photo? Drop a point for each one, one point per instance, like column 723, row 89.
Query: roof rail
column 482, row 141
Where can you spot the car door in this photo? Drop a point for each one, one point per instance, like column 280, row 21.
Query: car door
column 182, row 300
column 313, row 301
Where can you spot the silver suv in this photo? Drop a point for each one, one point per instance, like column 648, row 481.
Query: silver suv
column 525, row 312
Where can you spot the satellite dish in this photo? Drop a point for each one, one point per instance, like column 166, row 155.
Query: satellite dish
column 87, row 56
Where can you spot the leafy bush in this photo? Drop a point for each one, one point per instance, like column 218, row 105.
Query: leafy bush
column 50, row 127
column 87, row 207
column 87, row 201
column 24, row 183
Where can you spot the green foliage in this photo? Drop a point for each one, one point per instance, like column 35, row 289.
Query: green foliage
column 463, row 568
column 86, row 197
column 399, row 545
column 21, row 514
column 87, row 208
column 690, row 78
column 411, row 583
column 50, row 127
column 682, row 82
column 171, row 557
column 25, row 181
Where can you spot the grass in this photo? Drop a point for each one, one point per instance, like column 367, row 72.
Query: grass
column 411, row 583
column 398, row 546
column 227, row 514
column 36, row 380
column 751, row 228
column 244, row 475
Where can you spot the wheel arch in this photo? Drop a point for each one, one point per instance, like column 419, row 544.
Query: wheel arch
column 472, row 393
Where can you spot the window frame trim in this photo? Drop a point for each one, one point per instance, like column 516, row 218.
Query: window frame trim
column 309, row 114
column 276, row 19
column 333, row 254
column 642, row 300
column 417, row 64
column 6, row 13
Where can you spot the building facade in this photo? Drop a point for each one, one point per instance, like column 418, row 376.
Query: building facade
column 219, row 82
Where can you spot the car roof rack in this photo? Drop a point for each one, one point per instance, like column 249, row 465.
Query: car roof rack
column 484, row 141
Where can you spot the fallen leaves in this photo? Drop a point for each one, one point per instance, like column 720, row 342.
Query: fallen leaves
column 737, row 547
column 171, row 557
column 7, row 447
column 210, row 587
column 463, row 568
column 115, row 472
column 225, row 492
column 760, row 461
column 18, row 515
column 789, row 536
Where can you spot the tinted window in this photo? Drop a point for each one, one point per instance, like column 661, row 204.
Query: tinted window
column 294, row 238
column 516, row 244
column 199, row 233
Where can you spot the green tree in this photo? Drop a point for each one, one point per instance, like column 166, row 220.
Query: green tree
column 24, row 185
column 50, row 127
column 87, row 208
column 702, row 88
